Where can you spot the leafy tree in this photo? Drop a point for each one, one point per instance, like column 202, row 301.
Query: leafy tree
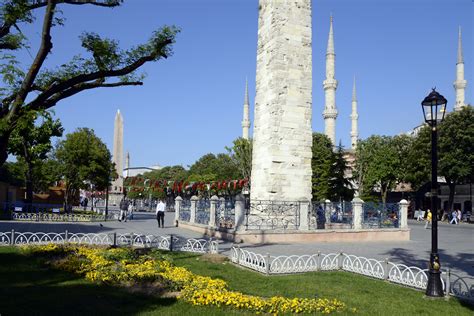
column 340, row 187
column 241, row 156
column 220, row 166
column 13, row 173
column 84, row 160
column 169, row 173
column 321, row 164
column 455, row 152
column 37, row 88
column 379, row 163
column 30, row 142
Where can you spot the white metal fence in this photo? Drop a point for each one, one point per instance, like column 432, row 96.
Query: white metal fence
column 168, row 242
column 453, row 284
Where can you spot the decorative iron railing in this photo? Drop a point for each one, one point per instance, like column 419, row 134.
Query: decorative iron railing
column 170, row 242
column 331, row 215
column 203, row 207
column 270, row 215
column 462, row 287
column 225, row 213
column 53, row 217
column 379, row 215
column 185, row 211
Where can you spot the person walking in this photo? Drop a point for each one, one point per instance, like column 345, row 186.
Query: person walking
column 130, row 211
column 123, row 209
column 454, row 217
column 429, row 217
column 459, row 216
column 160, row 213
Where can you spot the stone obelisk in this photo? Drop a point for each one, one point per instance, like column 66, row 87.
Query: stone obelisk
column 354, row 119
column 281, row 161
column 117, row 158
column 246, row 119
column 330, row 86
column 460, row 83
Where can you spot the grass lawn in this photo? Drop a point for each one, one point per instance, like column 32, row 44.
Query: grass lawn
column 28, row 287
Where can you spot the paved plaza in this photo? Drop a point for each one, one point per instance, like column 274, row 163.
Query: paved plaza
column 456, row 242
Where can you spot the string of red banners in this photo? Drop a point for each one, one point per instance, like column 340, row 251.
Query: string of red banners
column 139, row 184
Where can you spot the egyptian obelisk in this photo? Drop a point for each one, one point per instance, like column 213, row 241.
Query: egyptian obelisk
column 117, row 158
column 281, row 161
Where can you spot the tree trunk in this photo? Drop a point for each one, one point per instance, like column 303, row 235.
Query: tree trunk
column 4, row 136
column 28, row 175
column 452, row 190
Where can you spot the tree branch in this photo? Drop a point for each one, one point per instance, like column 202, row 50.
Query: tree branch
column 45, row 48
column 74, row 90
column 83, row 78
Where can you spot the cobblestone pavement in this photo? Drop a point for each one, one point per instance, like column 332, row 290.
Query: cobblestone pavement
column 456, row 242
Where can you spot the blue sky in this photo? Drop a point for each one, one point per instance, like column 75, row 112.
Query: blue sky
column 191, row 103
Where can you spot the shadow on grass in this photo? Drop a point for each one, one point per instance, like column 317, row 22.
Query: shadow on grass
column 27, row 287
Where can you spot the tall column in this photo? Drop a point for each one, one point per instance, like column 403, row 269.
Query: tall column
column 127, row 165
column 246, row 118
column 354, row 119
column 330, row 86
column 460, row 84
column 118, row 143
column 281, row 161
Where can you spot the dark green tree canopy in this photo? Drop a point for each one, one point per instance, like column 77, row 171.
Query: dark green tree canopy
column 241, row 156
column 321, row 164
column 211, row 167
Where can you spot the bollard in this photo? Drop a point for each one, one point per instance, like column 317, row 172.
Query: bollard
column 171, row 242
column 12, row 240
column 448, row 282
column 385, row 272
column 267, row 264
column 115, row 239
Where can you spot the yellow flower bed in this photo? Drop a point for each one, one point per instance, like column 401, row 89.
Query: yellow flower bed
column 115, row 265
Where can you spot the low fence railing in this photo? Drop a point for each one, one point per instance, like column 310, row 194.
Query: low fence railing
column 379, row 215
column 332, row 215
column 273, row 215
column 225, row 213
column 453, row 284
column 168, row 242
column 53, row 217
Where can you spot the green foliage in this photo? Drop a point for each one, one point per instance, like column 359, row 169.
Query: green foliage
column 380, row 163
column 169, row 173
column 340, row 186
column 84, row 159
column 221, row 166
column 321, row 166
column 241, row 156
column 13, row 173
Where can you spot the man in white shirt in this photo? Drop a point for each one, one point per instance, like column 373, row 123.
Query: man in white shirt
column 160, row 213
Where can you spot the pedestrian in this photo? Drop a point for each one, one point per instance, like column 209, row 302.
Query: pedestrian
column 421, row 215
column 130, row 211
column 454, row 217
column 123, row 210
column 160, row 213
column 428, row 219
column 459, row 216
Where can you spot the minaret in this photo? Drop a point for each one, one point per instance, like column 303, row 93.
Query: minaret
column 118, row 144
column 330, row 86
column 460, row 83
column 127, row 164
column 354, row 118
column 246, row 119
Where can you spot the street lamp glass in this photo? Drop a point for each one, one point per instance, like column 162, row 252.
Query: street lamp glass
column 434, row 108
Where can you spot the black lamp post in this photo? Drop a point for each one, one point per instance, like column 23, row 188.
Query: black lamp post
column 434, row 108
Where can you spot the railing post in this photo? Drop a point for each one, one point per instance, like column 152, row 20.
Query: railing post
column 403, row 214
column 131, row 239
column 339, row 260
column 12, row 240
column 66, row 235
column 386, row 269
column 192, row 218
column 239, row 211
column 357, row 213
column 239, row 251
column 212, row 211
column 177, row 208
column 267, row 264
column 171, row 242
column 209, row 250
column 447, row 284
column 304, row 214
column 115, row 239
column 318, row 261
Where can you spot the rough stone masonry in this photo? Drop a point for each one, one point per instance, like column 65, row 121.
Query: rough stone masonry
column 281, row 162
